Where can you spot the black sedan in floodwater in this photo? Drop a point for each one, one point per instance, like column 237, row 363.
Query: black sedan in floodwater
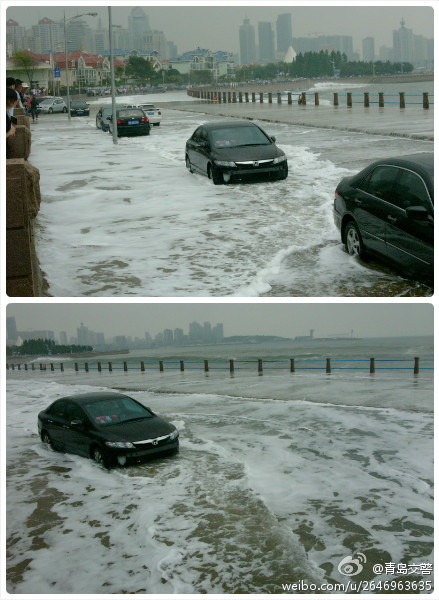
column 79, row 108
column 387, row 210
column 130, row 121
column 111, row 428
column 234, row 150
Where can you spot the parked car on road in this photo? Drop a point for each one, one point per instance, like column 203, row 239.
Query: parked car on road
column 79, row 108
column 52, row 105
column 111, row 428
column 234, row 150
column 153, row 113
column 387, row 210
column 130, row 121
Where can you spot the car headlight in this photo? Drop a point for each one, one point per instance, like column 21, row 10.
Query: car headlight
column 279, row 159
column 174, row 434
column 120, row 444
column 224, row 163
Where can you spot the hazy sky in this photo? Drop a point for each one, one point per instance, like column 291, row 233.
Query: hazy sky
column 283, row 319
column 216, row 26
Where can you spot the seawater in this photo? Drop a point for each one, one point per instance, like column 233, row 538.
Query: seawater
column 280, row 477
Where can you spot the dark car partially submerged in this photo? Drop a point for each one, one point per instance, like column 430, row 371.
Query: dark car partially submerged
column 387, row 210
column 79, row 108
column 111, row 428
column 130, row 121
column 234, row 150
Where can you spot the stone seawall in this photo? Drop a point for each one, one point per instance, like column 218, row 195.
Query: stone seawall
column 23, row 198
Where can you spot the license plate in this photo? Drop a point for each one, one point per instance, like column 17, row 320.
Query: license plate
column 80, row 112
column 151, row 113
column 133, row 122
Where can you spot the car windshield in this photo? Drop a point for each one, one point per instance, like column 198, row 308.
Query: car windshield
column 130, row 114
column 48, row 101
column 116, row 411
column 238, row 136
column 78, row 104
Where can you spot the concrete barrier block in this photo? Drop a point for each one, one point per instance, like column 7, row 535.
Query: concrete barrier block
column 19, row 169
column 16, row 206
column 23, row 120
column 18, row 146
column 18, row 253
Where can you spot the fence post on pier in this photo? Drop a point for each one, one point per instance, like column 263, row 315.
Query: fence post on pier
column 161, row 366
column 99, row 367
column 52, row 367
column 261, row 97
column 270, row 98
column 142, row 366
column 110, row 367
column 33, row 366
column 232, row 366
column 125, row 366
column 425, row 102
column 240, row 97
column 372, row 365
column 41, row 366
column 62, row 367
column 234, row 98
column 279, row 98
column 349, row 99
column 328, row 365
column 86, row 367
column 246, row 96
column 19, row 367
column 416, row 369
column 381, row 99
column 316, row 99
column 253, row 97
column 401, row 100
column 182, row 365
column 292, row 366
column 335, row 99
column 219, row 97
column 290, row 98
column 206, row 366
column 229, row 97
column 366, row 99
column 260, row 370
column 25, row 366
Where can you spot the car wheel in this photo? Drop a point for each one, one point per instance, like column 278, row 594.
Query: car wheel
column 64, row 109
column 353, row 241
column 46, row 439
column 98, row 456
column 188, row 164
column 50, row 111
column 215, row 175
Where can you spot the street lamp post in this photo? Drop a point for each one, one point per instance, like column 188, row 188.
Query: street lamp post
column 65, row 53
column 113, row 93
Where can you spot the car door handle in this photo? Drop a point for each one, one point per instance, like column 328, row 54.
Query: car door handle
column 358, row 201
column 392, row 219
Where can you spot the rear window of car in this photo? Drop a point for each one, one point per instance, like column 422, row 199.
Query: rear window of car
column 130, row 113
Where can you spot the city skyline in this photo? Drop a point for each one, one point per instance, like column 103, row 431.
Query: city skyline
column 280, row 319
column 191, row 26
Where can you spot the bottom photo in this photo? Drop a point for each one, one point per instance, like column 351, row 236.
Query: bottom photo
column 219, row 448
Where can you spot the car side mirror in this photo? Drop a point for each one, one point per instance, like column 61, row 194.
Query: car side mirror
column 417, row 213
column 272, row 138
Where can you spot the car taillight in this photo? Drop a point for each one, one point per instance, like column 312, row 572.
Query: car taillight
column 120, row 122
column 145, row 120
column 335, row 194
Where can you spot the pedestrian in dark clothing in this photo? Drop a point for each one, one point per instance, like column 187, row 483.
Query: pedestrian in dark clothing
column 33, row 107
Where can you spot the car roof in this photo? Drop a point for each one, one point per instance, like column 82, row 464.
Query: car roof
column 226, row 124
column 422, row 160
column 94, row 397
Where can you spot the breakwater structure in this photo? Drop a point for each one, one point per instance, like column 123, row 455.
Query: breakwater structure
column 23, row 199
column 292, row 365
column 366, row 99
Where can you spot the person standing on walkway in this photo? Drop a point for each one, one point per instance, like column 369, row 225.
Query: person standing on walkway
column 33, row 108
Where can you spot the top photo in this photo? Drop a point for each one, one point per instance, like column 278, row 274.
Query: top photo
column 219, row 151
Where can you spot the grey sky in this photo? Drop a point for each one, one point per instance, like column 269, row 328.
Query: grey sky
column 284, row 319
column 217, row 27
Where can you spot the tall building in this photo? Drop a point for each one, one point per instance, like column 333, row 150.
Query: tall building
column 138, row 24
column 369, row 49
column 154, row 40
column 47, row 36
column 15, row 35
column 172, row 50
column 11, row 328
column 338, row 43
column 266, row 42
column 79, row 36
column 63, row 338
column 284, row 32
column 247, row 43
column 168, row 337
column 403, row 44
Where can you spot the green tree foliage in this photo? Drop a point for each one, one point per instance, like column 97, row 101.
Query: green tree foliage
column 139, row 68
column 40, row 347
column 26, row 63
